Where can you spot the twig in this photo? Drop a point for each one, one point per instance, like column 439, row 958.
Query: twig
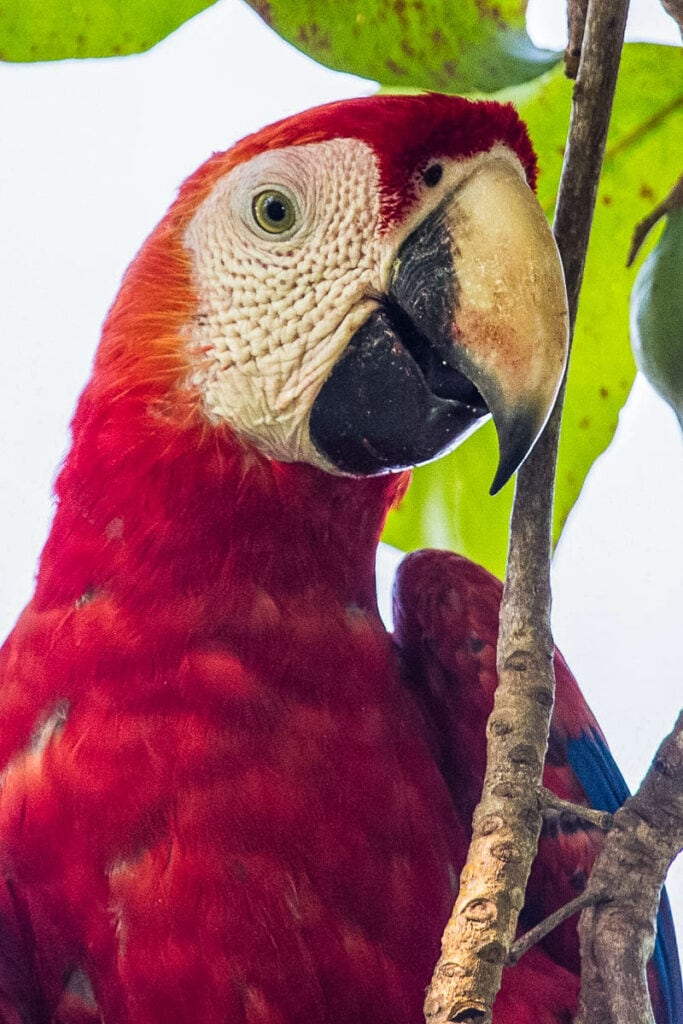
column 550, row 923
column 507, row 822
column 549, row 802
column 576, row 23
column 673, row 201
column 617, row 939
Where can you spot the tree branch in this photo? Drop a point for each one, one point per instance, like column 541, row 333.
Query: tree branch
column 478, row 937
column 536, row 934
column 576, row 24
column 617, row 939
column 550, row 803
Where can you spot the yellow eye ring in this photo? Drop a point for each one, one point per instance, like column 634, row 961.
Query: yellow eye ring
column 273, row 211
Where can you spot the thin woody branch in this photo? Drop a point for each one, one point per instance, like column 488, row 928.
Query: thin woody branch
column 479, row 935
column 617, row 939
column 576, row 24
column 550, row 923
column 551, row 803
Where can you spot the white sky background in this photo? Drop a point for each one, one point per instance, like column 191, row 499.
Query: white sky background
column 92, row 154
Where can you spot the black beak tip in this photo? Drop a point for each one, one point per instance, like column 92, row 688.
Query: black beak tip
column 516, row 439
column 503, row 474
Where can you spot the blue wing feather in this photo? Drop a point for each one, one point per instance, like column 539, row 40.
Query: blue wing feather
column 606, row 789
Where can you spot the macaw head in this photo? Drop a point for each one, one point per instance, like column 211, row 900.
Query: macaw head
column 358, row 287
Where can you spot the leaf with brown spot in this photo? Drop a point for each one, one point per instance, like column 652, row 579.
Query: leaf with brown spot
column 33, row 30
column 445, row 45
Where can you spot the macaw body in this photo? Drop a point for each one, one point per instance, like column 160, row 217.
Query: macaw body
column 228, row 794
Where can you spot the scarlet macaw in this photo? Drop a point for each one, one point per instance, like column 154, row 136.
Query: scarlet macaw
column 228, row 794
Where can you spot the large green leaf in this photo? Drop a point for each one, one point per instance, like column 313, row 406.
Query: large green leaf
column 657, row 313
column 448, row 503
column 32, row 30
column 444, row 45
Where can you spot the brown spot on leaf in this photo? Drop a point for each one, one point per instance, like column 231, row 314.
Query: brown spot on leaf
column 584, row 423
column 312, row 36
column 262, row 8
column 645, row 192
column 603, row 392
column 606, row 200
column 395, row 68
column 437, row 37
column 490, row 11
column 407, row 48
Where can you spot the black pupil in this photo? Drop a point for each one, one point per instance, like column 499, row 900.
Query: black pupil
column 432, row 176
column 275, row 210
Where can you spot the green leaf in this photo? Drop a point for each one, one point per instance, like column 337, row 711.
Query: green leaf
column 32, row 30
column 448, row 504
column 442, row 45
column 657, row 314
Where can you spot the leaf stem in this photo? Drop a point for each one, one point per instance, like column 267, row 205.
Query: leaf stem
column 673, row 201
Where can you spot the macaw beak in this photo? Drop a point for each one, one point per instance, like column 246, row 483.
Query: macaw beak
column 474, row 323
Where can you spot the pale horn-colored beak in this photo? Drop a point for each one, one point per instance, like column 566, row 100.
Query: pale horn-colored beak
column 505, row 325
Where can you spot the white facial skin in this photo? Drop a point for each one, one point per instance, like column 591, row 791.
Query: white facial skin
column 277, row 310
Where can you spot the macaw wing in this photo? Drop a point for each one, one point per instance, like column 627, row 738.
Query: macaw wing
column 446, row 628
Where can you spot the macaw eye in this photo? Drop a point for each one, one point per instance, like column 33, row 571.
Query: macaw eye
column 273, row 211
column 432, row 175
